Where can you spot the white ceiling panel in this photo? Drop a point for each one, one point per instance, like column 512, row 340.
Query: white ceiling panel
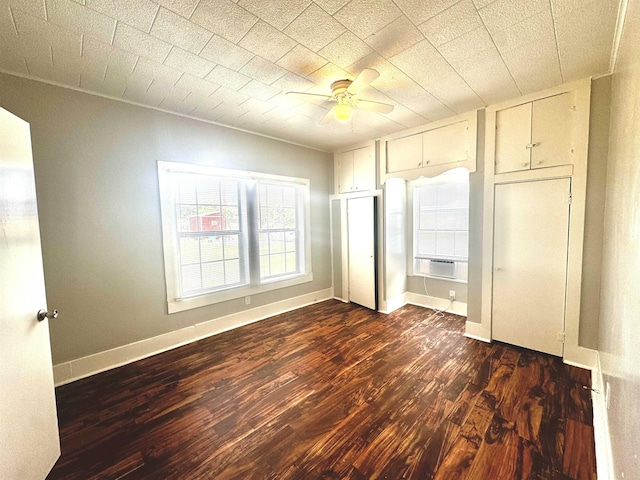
column 141, row 43
column 181, row 7
column 232, row 61
column 226, row 53
column 267, row 41
column 224, row 18
column 188, row 62
column 73, row 16
column 366, row 17
column 278, row 13
column 454, row 22
column 419, row 10
column 263, row 70
column 345, row 50
column 314, row 28
column 394, row 37
column 174, row 29
column 138, row 14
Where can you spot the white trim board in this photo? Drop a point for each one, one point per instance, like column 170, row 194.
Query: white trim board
column 477, row 331
column 604, row 457
column 457, row 308
column 73, row 370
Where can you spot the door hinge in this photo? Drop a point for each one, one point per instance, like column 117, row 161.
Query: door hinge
column 560, row 337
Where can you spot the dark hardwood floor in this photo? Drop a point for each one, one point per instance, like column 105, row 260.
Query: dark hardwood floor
column 332, row 391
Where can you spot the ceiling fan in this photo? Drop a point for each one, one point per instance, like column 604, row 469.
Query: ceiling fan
column 344, row 93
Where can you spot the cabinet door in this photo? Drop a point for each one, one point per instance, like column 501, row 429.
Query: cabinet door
column 551, row 131
column 445, row 145
column 404, row 153
column 531, row 233
column 513, row 136
column 364, row 169
column 345, row 172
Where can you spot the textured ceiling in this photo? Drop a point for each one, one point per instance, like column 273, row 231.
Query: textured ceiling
column 231, row 61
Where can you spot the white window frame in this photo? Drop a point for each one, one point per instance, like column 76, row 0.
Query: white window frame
column 461, row 264
column 170, row 237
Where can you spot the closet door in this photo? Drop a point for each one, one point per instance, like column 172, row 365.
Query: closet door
column 361, row 217
column 531, row 230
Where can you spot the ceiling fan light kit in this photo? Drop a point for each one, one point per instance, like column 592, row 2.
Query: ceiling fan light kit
column 343, row 92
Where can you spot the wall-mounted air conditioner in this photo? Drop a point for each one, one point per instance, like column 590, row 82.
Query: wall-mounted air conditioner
column 442, row 268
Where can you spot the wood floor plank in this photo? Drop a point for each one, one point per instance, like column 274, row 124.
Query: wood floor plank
column 332, row 391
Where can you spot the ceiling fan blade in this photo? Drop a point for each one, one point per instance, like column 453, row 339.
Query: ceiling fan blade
column 329, row 116
column 372, row 106
column 365, row 77
column 303, row 94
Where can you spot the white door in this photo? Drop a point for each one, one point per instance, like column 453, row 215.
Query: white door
column 29, row 444
column 531, row 231
column 362, row 261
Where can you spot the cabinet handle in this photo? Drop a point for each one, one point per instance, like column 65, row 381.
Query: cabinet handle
column 531, row 145
column 427, row 162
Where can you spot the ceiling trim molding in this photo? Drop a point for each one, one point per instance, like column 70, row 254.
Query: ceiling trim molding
column 617, row 36
column 158, row 109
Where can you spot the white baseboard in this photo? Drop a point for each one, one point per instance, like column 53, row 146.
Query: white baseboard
column 73, row 370
column 477, row 331
column 392, row 304
column 458, row 308
column 604, row 458
column 580, row 357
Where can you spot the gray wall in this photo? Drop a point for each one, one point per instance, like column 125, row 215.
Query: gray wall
column 594, row 211
column 96, row 179
column 620, row 301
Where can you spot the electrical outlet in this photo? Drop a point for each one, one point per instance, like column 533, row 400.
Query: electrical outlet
column 247, row 300
column 607, row 395
column 452, row 294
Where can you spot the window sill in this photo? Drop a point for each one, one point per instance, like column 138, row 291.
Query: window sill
column 175, row 306
column 444, row 279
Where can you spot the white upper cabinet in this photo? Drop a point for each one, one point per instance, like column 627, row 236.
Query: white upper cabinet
column 536, row 134
column 445, row 144
column 355, row 170
column 431, row 149
column 404, row 153
column 513, row 134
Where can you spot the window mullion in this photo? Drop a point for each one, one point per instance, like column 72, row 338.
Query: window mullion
column 252, row 233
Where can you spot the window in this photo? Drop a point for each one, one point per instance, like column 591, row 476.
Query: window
column 441, row 225
column 230, row 233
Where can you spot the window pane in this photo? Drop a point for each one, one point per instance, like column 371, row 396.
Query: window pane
column 191, row 280
column 277, row 264
column 265, row 271
column 264, row 218
column 187, row 218
column 426, row 243
column 213, row 275
column 211, row 248
column 231, row 247
column 462, row 244
column 444, row 244
column 446, row 195
column 427, row 219
column 289, row 196
column 274, row 195
column 291, row 262
column 276, row 243
column 263, row 242
column 232, row 271
column 209, row 219
column 230, row 218
column 187, row 188
column 290, row 241
column 229, row 191
column 289, row 217
column 462, row 219
column 208, row 189
column 189, row 250
column 427, row 196
column 446, row 220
